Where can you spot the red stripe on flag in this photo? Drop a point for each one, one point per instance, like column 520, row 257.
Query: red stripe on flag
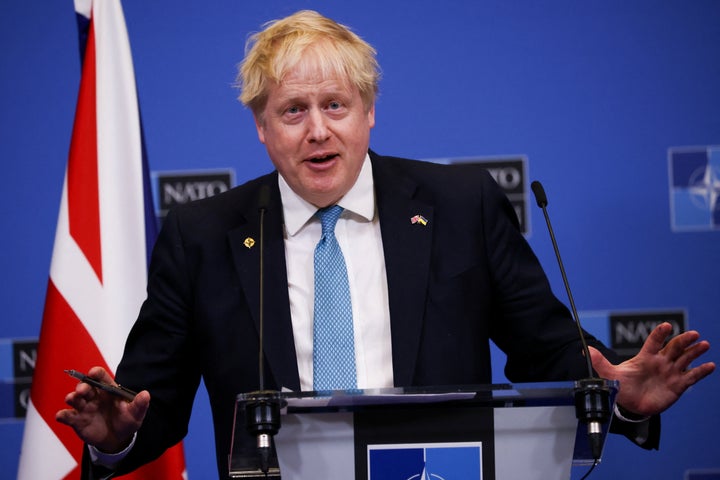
column 64, row 344
column 82, row 171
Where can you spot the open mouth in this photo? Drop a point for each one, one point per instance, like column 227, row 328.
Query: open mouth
column 323, row 159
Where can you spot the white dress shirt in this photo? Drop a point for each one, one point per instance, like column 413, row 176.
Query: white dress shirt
column 358, row 233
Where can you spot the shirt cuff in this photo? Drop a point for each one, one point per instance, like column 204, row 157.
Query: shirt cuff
column 626, row 418
column 109, row 460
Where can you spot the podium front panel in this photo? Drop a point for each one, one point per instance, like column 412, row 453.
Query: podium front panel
column 479, row 432
column 503, row 443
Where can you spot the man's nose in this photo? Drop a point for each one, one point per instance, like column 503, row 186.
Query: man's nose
column 318, row 130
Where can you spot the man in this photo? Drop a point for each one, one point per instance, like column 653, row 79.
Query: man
column 436, row 265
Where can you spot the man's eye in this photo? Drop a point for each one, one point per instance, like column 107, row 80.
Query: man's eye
column 293, row 110
column 334, row 105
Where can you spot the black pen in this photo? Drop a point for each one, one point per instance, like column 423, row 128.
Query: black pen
column 120, row 391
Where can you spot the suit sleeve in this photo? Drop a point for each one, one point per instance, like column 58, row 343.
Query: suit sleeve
column 158, row 355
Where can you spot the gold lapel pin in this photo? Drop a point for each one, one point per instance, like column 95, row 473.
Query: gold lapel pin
column 419, row 219
column 249, row 242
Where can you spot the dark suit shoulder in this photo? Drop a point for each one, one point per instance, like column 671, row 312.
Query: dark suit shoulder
column 446, row 182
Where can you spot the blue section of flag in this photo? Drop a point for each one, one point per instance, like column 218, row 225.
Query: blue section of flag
column 425, row 463
column 396, row 463
column 453, row 462
column 684, row 164
column 83, row 24
column 695, row 188
column 687, row 211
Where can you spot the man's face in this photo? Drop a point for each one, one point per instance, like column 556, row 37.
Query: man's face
column 317, row 132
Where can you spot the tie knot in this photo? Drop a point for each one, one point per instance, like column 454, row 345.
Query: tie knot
column 328, row 218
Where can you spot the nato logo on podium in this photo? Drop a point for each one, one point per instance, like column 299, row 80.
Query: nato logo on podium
column 433, row 461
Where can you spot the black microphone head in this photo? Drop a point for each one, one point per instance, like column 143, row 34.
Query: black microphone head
column 539, row 192
column 264, row 197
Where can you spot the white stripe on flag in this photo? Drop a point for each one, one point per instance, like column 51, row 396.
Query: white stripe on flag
column 83, row 7
column 48, row 458
column 122, row 217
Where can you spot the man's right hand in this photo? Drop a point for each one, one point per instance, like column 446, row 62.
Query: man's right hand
column 100, row 419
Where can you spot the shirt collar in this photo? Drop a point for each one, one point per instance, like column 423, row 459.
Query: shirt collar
column 360, row 200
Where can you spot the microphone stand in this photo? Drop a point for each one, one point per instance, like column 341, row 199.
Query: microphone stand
column 592, row 396
column 262, row 408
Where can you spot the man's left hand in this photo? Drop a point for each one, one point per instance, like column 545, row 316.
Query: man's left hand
column 655, row 378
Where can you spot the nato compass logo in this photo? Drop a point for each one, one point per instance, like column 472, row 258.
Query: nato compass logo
column 429, row 461
column 695, row 188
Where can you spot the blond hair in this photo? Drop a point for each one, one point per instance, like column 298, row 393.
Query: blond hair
column 333, row 49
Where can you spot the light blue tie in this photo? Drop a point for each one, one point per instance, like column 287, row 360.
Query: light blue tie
column 333, row 338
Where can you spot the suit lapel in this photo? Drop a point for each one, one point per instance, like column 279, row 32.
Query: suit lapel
column 244, row 242
column 406, row 245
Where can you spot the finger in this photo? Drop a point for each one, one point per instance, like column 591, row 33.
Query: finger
column 100, row 374
column 65, row 416
column 71, row 418
column 84, row 393
column 696, row 374
column 656, row 340
column 75, row 400
column 601, row 364
column 690, row 354
column 679, row 344
column 140, row 405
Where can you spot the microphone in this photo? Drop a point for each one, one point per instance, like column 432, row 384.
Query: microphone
column 263, row 407
column 592, row 403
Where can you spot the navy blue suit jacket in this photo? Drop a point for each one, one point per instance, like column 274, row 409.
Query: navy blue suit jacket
column 463, row 278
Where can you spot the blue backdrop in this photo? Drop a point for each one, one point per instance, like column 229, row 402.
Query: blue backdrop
column 593, row 93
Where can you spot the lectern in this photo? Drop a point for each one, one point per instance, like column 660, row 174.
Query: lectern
column 483, row 432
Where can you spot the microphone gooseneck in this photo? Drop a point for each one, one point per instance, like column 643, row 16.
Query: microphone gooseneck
column 592, row 397
column 542, row 202
column 263, row 202
column 263, row 407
